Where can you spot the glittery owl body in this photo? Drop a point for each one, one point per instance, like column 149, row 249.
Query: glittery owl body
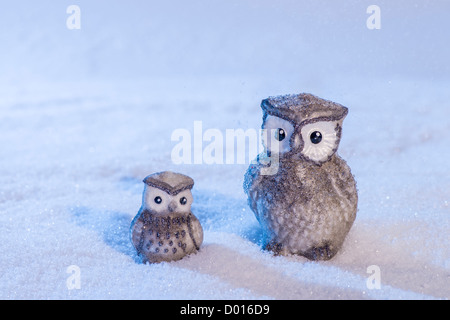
column 165, row 228
column 308, row 205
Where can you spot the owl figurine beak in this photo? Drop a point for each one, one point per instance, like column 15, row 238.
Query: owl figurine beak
column 173, row 206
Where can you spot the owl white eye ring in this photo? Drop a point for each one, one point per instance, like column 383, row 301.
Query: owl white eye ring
column 277, row 134
column 320, row 140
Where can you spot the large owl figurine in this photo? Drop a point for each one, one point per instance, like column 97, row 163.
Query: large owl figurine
column 165, row 228
column 308, row 205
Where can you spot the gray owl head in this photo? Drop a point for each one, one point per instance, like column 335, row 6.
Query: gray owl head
column 303, row 125
column 168, row 192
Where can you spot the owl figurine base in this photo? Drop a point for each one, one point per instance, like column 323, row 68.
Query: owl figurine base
column 165, row 228
column 308, row 205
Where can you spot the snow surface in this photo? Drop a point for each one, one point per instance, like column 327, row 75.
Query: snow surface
column 86, row 114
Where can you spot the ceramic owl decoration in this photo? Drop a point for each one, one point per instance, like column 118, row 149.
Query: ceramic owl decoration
column 308, row 206
column 165, row 228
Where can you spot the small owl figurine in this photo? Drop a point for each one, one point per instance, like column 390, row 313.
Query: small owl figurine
column 165, row 228
column 308, row 206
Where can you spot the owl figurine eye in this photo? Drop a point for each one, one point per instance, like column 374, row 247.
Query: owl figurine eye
column 278, row 134
column 320, row 140
column 316, row 137
column 158, row 200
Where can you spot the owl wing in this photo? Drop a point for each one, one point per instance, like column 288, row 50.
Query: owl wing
column 195, row 230
column 137, row 230
column 345, row 182
column 252, row 181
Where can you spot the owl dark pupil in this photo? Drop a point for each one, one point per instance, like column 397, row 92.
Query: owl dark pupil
column 158, row 200
column 183, row 200
column 316, row 137
column 280, row 134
